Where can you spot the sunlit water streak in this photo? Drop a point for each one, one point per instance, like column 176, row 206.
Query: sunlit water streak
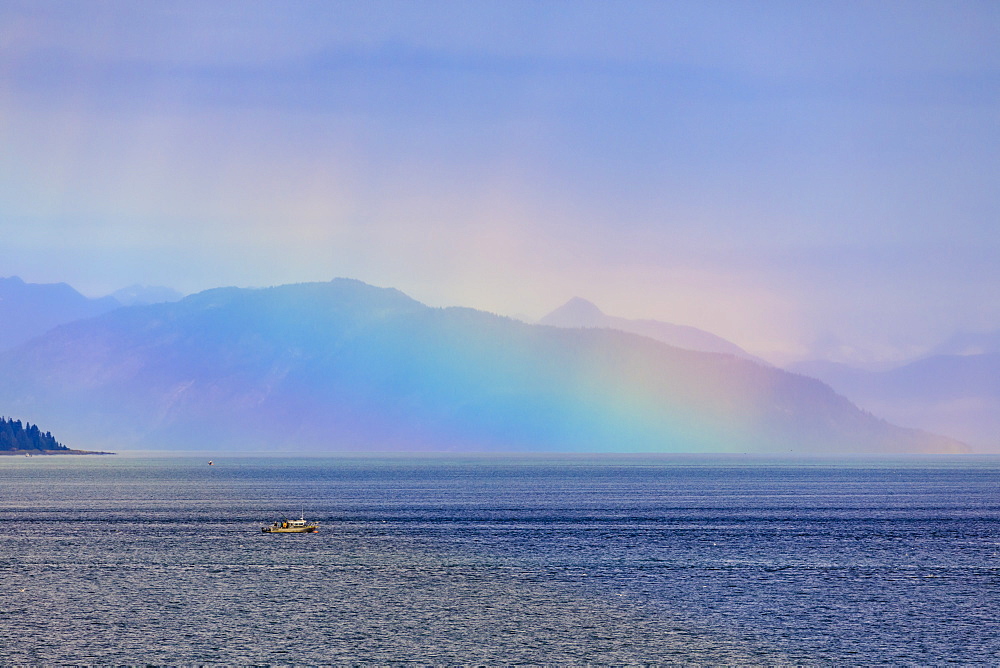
column 525, row 560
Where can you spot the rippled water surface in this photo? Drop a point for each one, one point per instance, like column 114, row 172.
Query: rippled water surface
column 117, row 560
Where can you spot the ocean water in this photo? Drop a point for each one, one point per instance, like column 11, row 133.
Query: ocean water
column 530, row 560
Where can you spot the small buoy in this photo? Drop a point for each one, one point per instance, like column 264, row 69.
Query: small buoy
column 211, row 463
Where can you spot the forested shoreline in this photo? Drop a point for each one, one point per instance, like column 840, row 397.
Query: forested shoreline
column 17, row 436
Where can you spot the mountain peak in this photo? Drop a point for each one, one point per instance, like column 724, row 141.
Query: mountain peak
column 30, row 309
column 577, row 312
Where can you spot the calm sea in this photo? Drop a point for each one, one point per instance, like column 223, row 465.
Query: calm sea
column 118, row 560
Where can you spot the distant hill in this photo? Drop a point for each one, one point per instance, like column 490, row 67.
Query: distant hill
column 954, row 394
column 146, row 294
column 968, row 343
column 30, row 309
column 344, row 366
column 578, row 312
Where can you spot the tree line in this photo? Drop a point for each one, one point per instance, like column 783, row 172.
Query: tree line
column 15, row 436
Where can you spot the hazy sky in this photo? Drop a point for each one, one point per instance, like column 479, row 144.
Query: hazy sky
column 803, row 178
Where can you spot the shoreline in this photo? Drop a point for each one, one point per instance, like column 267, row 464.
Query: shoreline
column 45, row 453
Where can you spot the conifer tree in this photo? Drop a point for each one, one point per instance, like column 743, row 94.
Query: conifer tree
column 17, row 436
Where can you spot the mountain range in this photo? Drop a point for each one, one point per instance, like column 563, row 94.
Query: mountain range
column 345, row 366
column 955, row 390
column 956, row 394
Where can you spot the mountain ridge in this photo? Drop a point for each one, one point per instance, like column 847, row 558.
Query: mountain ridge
column 954, row 393
column 28, row 310
column 344, row 366
column 579, row 312
column 134, row 295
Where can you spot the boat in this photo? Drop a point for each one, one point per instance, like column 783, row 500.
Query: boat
column 292, row 526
